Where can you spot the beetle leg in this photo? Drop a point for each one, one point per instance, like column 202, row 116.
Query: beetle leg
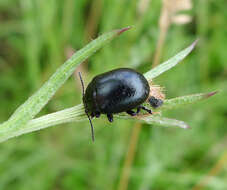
column 110, row 117
column 132, row 113
column 97, row 114
column 147, row 110
column 138, row 110
column 92, row 115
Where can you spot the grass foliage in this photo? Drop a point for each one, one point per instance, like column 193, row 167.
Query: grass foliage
column 19, row 123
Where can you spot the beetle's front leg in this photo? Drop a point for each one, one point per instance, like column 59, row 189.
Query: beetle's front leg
column 95, row 114
column 110, row 117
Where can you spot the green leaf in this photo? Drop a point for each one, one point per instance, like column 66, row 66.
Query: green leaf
column 72, row 114
column 184, row 100
column 181, row 101
column 158, row 120
column 170, row 63
column 36, row 102
column 165, row 122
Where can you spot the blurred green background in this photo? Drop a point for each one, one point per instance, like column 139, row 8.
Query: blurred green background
column 37, row 36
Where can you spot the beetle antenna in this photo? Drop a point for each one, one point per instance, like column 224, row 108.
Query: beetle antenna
column 92, row 128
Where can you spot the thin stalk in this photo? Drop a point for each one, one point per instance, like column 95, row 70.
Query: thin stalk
column 129, row 158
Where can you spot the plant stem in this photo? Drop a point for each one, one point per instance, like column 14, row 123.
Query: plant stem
column 123, row 184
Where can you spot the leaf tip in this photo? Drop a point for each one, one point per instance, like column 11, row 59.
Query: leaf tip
column 120, row 31
column 187, row 127
column 210, row 94
column 195, row 43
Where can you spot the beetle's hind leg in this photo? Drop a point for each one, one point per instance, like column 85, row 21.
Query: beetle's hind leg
column 110, row 117
column 132, row 113
column 144, row 108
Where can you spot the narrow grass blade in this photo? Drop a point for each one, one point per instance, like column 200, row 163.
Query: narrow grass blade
column 170, row 63
column 184, row 100
column 77, row 114
column 73, row 114
column 164, row 122
column 35, row 103
column 158, row 120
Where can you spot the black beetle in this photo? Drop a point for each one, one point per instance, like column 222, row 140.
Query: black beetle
column 116, row 91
